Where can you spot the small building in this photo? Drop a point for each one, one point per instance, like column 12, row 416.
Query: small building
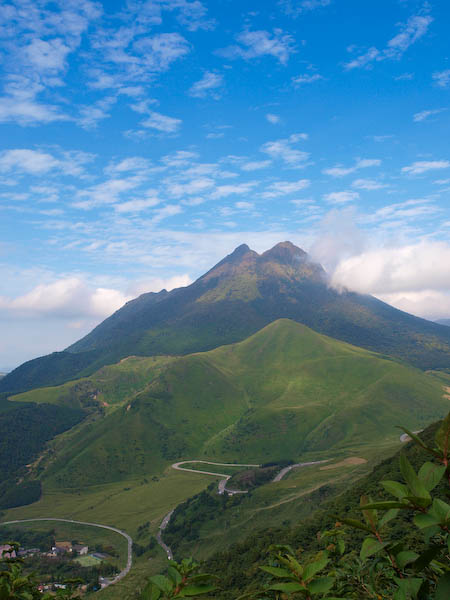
column 60, row 547
column 81, row 549
column 6, row 551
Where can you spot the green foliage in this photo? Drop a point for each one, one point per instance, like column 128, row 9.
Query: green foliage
column 21, row 494
column 182, row 581
column 283, row 392
column 24, row 431
column 386, row 566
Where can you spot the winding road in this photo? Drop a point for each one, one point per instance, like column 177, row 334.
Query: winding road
column 279, row 476
column 107, row 582
column 223, row 482
column 178, row 466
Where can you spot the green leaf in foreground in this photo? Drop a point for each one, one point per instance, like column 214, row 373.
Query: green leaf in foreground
column 370, row 547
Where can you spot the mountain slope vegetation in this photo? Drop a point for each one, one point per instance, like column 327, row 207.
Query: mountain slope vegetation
column 236, row 298
column 285, row 392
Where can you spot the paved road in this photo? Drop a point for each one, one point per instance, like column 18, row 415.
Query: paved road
column 159, row 539
column 223, row 482
column 279, row 476
column 122, row 573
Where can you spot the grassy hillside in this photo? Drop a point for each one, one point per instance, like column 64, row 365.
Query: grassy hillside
column 237, row 566
column 284, row 393
column 239, row 296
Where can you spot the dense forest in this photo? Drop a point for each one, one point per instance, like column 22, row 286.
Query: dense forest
column 24, row 431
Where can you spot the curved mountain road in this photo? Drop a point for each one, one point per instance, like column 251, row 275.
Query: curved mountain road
column 122, row 573
column 222, row 482
column 279, row 476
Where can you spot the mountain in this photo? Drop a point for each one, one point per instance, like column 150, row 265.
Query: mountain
column 444, row 322
column 240, row 295
column 285, row 392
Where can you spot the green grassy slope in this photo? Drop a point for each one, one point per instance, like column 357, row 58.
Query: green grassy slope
column 237, row 566
column 239, row 296
column 285, row 392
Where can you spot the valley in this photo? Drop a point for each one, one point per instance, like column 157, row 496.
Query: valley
column 193, row 451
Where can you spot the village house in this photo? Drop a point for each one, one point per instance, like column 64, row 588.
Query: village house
column 5, row 551
column 81, row 549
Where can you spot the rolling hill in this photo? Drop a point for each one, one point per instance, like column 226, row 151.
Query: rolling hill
column 236, row 298
column 285, row 392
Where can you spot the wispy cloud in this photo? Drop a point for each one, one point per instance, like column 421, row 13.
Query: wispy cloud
column 274, row 119
column 283, row 188
column 368, row 184
column 362, row 163
column 20, row 103
column 161, row 122
column 283, row 149
column 208, row 85
column 411, row 31
column 255, row 44
column 306, row 78
column 442, row 78
column 341, row 197
column 37, row 162
column 256, row 165
column 424, row 114
column 422, row 166
column 296, row 8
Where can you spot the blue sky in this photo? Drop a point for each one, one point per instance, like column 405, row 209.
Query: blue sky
column 142, row 141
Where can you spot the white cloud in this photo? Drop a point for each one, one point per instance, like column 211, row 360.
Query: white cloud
column 422, row 166
column 36, row 162
column 159, row 51
column 47, row 55
column 397, row 269
column 282, row 188
column 137, row 205
column 274, row 119
column 170, row 210
column 107, row 192
column 156, row 284
column 282, row 149
column 424, row 114
column 223, row 191
column 30, row 161
column 296, row 7
column 244, row 205
column 405, row 77
column 207, row 85
column 254, row 44
column 192, row 187
column 413, row 276
column 19, row 103
column 306, row 78
column 256, row 165
column 411, row 31
column 442, row 78
column 161, row 122
column 368, row 184
column 364, row 59
column 362, row 163
column 92, row 114
column 341, row 197
column 69, row 297
column 132, row 163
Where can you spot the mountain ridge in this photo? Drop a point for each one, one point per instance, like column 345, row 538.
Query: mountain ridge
column 286, row 391
column 235, row 298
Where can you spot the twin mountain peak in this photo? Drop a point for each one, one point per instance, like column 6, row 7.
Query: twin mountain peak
column 239, row 296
